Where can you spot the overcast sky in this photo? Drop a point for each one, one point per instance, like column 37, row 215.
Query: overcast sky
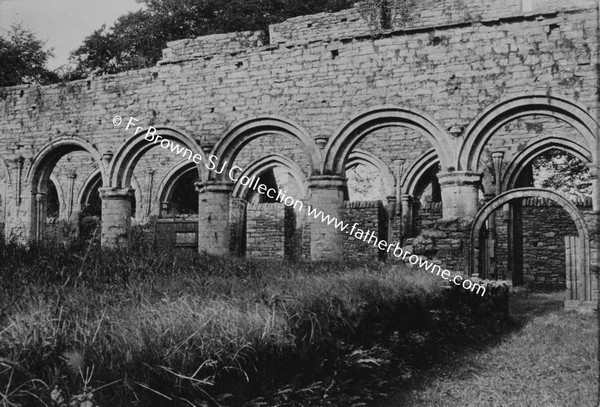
column 63, row 23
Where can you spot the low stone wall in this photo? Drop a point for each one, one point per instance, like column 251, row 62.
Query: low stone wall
column 371, row 216
column 425, row 216
column 269, row 230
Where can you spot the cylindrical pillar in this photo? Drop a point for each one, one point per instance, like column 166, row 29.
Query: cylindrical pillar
column 406, row 214
column 213, row 216
column 460, row 192
column 326, row 194
column 116, row 216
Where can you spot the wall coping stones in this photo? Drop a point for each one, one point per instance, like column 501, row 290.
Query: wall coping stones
column 361, row 204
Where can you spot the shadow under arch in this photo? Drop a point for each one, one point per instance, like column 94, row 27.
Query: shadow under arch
column 266, row 163
column 484, row 126
column 359, row 156
column 568, row 206
column 350, row 133
column 168, row 184
column 511, row 174
column 40, row 171
column 417, row 171
column 93, row 181
column 244, row 131
column 125, row 160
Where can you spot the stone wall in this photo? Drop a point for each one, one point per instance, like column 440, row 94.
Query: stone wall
column 370, row 216
column 269, row 230
column 425, row 215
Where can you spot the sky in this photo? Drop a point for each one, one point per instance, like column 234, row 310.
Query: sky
column 63, row 23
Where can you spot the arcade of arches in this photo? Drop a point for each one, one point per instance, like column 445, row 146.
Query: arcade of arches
column 505, row 188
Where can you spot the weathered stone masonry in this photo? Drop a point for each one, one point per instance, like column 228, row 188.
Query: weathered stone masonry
column 461, row 83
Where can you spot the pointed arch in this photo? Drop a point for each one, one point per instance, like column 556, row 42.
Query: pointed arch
column 415, row 174
column 494, row 117
column 126, row 159
column 243, row 132
column 350, row 133
column 525, row 157
column 358, row 156
column 167, row 186
column 266, row 163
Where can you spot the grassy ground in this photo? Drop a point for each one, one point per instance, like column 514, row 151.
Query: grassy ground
column 549, row 360
column 126, row 328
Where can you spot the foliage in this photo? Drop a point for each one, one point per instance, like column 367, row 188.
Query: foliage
column 562, row 172
column 136, row 40
column 23, row 59
column 385, row 14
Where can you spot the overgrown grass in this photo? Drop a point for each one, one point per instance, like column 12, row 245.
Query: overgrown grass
column 135, row 327
column 551, row 359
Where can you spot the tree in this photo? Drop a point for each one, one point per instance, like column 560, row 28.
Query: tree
column 23, row 59
column 136, row 40
column 562, row 172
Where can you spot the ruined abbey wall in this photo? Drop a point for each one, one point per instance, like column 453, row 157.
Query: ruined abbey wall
column 455, row 83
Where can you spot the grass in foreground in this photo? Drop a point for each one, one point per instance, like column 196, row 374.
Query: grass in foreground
column 125, row 328
column 550, row 361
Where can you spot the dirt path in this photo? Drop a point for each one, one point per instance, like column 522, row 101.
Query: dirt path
column 551, row 360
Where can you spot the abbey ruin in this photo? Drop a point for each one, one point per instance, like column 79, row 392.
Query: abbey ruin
column 425, row 131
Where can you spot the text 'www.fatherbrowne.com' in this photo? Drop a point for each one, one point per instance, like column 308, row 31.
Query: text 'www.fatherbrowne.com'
column 253, row 183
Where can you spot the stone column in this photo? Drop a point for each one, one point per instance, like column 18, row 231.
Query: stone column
column 406, row 216
column 116, row 216
column 460, row 192
column 326, row 194
column 39, row 210
column 213, row 216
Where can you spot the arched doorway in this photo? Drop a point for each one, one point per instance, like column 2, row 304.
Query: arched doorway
column 577, row 247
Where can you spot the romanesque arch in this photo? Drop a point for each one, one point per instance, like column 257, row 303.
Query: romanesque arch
column 41, row 169
column 247, row 130
column 125, row 160
column 266, row 163
column 526, row 156
column 494, row 117
column 350, row 133
column 580, row 290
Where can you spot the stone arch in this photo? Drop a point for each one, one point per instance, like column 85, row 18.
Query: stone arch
column 265, row 163
column 166, row 187
column 88, row 185
column 359, row 156
column 43, row 163
column 509, row 178
column 494, row 117
column 568, row 206
column 413, row 176
column 62, row 204
column 124, row 162
column 247, row 130
column 40, row 171
column 350, row 133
